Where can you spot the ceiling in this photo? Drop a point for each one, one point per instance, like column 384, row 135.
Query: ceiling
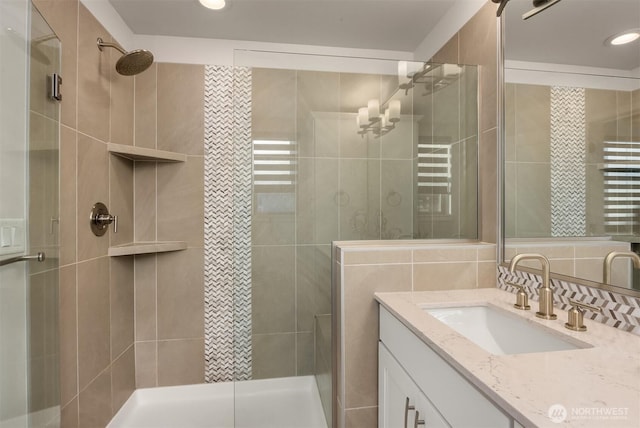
column 573, row 32
column 399, row 25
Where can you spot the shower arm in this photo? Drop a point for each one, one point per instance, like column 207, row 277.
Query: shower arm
column 103, row 44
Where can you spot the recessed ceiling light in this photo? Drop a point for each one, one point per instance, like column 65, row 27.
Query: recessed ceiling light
column 213, row 4
column 624, row 38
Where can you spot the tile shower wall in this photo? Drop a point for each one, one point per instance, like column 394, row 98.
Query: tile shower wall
column 609, row 115
column 97, row 372
column 169, row 287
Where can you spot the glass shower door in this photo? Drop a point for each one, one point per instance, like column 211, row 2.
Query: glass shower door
column 29, row 129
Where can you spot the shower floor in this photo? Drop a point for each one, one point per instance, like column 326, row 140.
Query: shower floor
column 291, row 402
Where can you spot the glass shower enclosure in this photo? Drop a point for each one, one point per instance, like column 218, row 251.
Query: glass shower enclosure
column 340, row 149
column 29, row 126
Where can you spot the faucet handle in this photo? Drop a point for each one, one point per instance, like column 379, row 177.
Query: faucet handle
column 576, row 315
column 522, row 300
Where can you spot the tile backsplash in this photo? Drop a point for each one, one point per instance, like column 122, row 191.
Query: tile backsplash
column 618, row 311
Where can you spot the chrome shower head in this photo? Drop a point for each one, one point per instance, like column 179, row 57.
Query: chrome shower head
column 130, row 63
column 539, row 6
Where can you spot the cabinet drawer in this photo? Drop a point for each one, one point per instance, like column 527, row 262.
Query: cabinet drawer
column 459, row 402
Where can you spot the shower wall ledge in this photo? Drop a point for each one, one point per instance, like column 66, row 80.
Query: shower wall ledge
column 146, row 248
column 143, row 154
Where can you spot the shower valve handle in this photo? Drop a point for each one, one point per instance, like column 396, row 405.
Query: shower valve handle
column 108, row 219
column 100, row 219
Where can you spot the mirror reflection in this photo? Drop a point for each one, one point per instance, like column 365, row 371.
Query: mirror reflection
column 572, row 137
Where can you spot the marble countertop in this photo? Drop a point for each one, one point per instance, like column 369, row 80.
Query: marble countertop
column 598, row 386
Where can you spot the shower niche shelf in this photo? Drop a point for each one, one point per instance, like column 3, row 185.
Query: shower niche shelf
column 144, row 154
column 150, row 247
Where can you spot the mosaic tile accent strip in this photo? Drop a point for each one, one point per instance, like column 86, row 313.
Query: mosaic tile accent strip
column 618, row 311
column 568, row 153
column 227, row 359
column 242, row 200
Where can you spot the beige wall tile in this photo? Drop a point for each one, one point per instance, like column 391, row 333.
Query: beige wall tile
column 180, row 108
column 273, row 355
column 94, row 70
column 313, row 279
column 373, row 256
column 181, row 294
column 181, row 201
column 62, row 16
column 304, row 354
column 92, row 187
column 478, row 45
column 93, row 319
column 444, row 276
column 68, row 335
column 487, row 272
column 273, row 104
column 145, row 216
column 146, row 364
column 563, row 267
column 189, row 353
column 316, row 196
column 272, row 229
column 362, row 417
column 601, row 118
column 488, row 202
column 121, row 107
column 122, row 301
column 145, row 107
column 441, row 253
column 534, row 200
column 551, row 251
column 360, row 326
column 448, row 54
column 533, row 123
column 145, row 297
column 273, row 289
column 69, row 415
column 487, row 253
column 121, row 199
column 67, row 224
column 600, row 250
column 123, row 378
column 95, row 402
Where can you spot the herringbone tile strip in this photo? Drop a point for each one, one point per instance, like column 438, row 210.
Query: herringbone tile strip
column 227, row 105
column 568, row 155
column 618, row 310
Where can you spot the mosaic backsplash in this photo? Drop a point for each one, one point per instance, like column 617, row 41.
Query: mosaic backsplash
column 618, row 311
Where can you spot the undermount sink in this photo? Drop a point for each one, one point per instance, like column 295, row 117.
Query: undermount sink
column 500, row 332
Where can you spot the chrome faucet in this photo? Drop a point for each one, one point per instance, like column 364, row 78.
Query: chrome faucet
column 546, row 293
column 608, row 260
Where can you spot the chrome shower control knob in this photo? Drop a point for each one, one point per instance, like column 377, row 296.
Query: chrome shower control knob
column 100, row 219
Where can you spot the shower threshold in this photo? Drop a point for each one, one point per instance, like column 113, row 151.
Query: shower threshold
column 291, row 402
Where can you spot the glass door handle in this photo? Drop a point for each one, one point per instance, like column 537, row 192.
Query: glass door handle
column 39, row 257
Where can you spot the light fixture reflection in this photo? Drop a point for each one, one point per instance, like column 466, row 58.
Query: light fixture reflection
column 213, row 4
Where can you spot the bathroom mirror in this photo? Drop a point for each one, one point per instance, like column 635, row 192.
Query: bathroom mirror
column 572, row 137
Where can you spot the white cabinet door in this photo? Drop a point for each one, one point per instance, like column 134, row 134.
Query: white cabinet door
column 456, row 399
column 401, row 403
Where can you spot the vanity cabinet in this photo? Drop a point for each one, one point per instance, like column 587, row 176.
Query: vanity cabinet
column 409, row 368
column 404, row 403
